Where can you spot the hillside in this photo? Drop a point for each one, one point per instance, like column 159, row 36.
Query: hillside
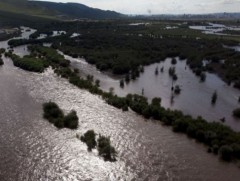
column 52, row 10
column 75, row 10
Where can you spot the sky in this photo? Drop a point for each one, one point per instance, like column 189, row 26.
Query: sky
column 162, row 6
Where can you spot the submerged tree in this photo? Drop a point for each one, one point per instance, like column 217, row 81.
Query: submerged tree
column 236, row 113
column 214, row 98
column 162, row 69
column 177, row 89
column 122, row 83
column 105, row 149
column 156, row 71
column 71, row 120
column 202, row 77
column 1, row 61
column 127, row 78
column 90, row 139
column 97, row 83
column 174, row 61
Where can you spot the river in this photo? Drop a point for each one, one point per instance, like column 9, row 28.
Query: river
column 33, row 149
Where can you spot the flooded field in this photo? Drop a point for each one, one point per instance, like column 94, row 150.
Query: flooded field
column 33, row 149
column 195, row 98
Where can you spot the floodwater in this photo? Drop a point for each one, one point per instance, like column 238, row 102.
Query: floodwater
column 215, row 29
column 33, row 149
column 195, row 97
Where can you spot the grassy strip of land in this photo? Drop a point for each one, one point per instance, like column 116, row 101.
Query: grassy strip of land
column 219, row 138
column 56, row 116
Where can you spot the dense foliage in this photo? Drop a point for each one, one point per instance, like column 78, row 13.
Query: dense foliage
column 56, row 116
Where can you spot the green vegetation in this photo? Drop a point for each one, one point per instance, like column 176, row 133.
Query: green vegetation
column 56, row 116
column 90, row 139
column 236, row 113
column 28, row 63
column 105, row 149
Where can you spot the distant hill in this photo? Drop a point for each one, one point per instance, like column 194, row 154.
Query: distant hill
column 75, row 10
column 55, row 10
